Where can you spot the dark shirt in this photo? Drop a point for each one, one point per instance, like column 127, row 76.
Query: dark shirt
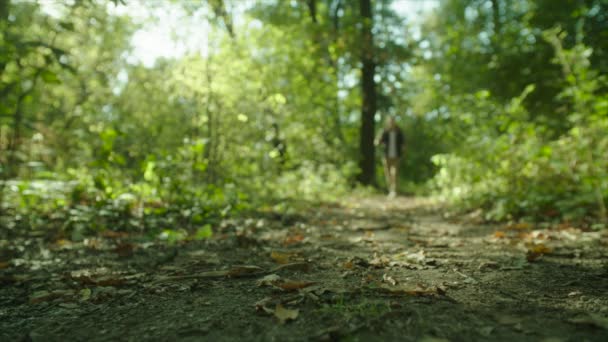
column 400, row 141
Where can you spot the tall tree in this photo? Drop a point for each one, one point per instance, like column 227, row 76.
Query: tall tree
column 368, row 102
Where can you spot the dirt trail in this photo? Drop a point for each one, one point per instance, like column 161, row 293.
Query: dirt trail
column 368, row 269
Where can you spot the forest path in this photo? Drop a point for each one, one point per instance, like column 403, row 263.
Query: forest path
column 366, row 269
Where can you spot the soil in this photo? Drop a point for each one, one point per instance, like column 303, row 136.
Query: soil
column 365, row 269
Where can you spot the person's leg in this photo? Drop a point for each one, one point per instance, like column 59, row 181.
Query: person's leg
column 392, row 173
column 395, row 175
column 387, row 173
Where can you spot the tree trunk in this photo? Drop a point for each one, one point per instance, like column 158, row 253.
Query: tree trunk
column 496, row 17
column 368, row 105
column 312, row 8
column 4, row 12
column 4, row 6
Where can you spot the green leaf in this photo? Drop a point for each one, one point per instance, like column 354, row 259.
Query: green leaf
column 204, row 232
column 67, row 25
column 49, row 76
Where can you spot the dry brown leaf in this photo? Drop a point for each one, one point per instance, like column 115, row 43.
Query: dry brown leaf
column 540, row 248
column 293, row 239
column 114, row 235
column 499, row 234
column 284, row 314
column 4, row 264
column 537, row 251
column 290, row 285
column 524, row 235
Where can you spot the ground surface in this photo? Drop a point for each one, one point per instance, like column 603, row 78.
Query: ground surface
column 367, row 269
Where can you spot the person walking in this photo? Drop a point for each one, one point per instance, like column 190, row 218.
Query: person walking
column 393, row 142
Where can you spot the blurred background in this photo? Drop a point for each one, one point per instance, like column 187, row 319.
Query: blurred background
column 142, row 114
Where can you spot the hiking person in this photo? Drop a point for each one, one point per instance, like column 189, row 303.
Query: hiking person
column 393, row 142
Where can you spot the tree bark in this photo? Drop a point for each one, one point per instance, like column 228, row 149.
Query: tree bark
column 368, row 104
column 496, row 17
column 219, row 8
column 4, row 6
column 312, row 8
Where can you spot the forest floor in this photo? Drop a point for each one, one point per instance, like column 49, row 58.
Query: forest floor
column 365, row 269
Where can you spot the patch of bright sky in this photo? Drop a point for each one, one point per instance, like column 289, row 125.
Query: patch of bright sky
column 169, row 31
column 174, row 33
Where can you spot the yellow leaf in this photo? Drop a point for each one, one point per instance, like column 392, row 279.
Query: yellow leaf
column 284, row 314
column 281, row 258
column 499, row 235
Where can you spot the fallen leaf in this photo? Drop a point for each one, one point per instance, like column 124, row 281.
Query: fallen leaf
column 540, row 248
column 289, row 285
column 536, row 251
column 268, row 280
column 499, row 234
column 4, row 264
column 260, row 305
column 283, row 284
column 379, row 261
column 284, row 314
column 293, row 239
column 64, row 244
column 85, row 294
column 243, row 270
column 388, row 279
column 280, row 257
column 114, row 234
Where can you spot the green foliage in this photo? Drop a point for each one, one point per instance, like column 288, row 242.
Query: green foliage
column 512, row 168
column 270, row 111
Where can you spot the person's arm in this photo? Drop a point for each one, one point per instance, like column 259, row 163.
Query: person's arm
column 402, row 142
column 379, row 137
